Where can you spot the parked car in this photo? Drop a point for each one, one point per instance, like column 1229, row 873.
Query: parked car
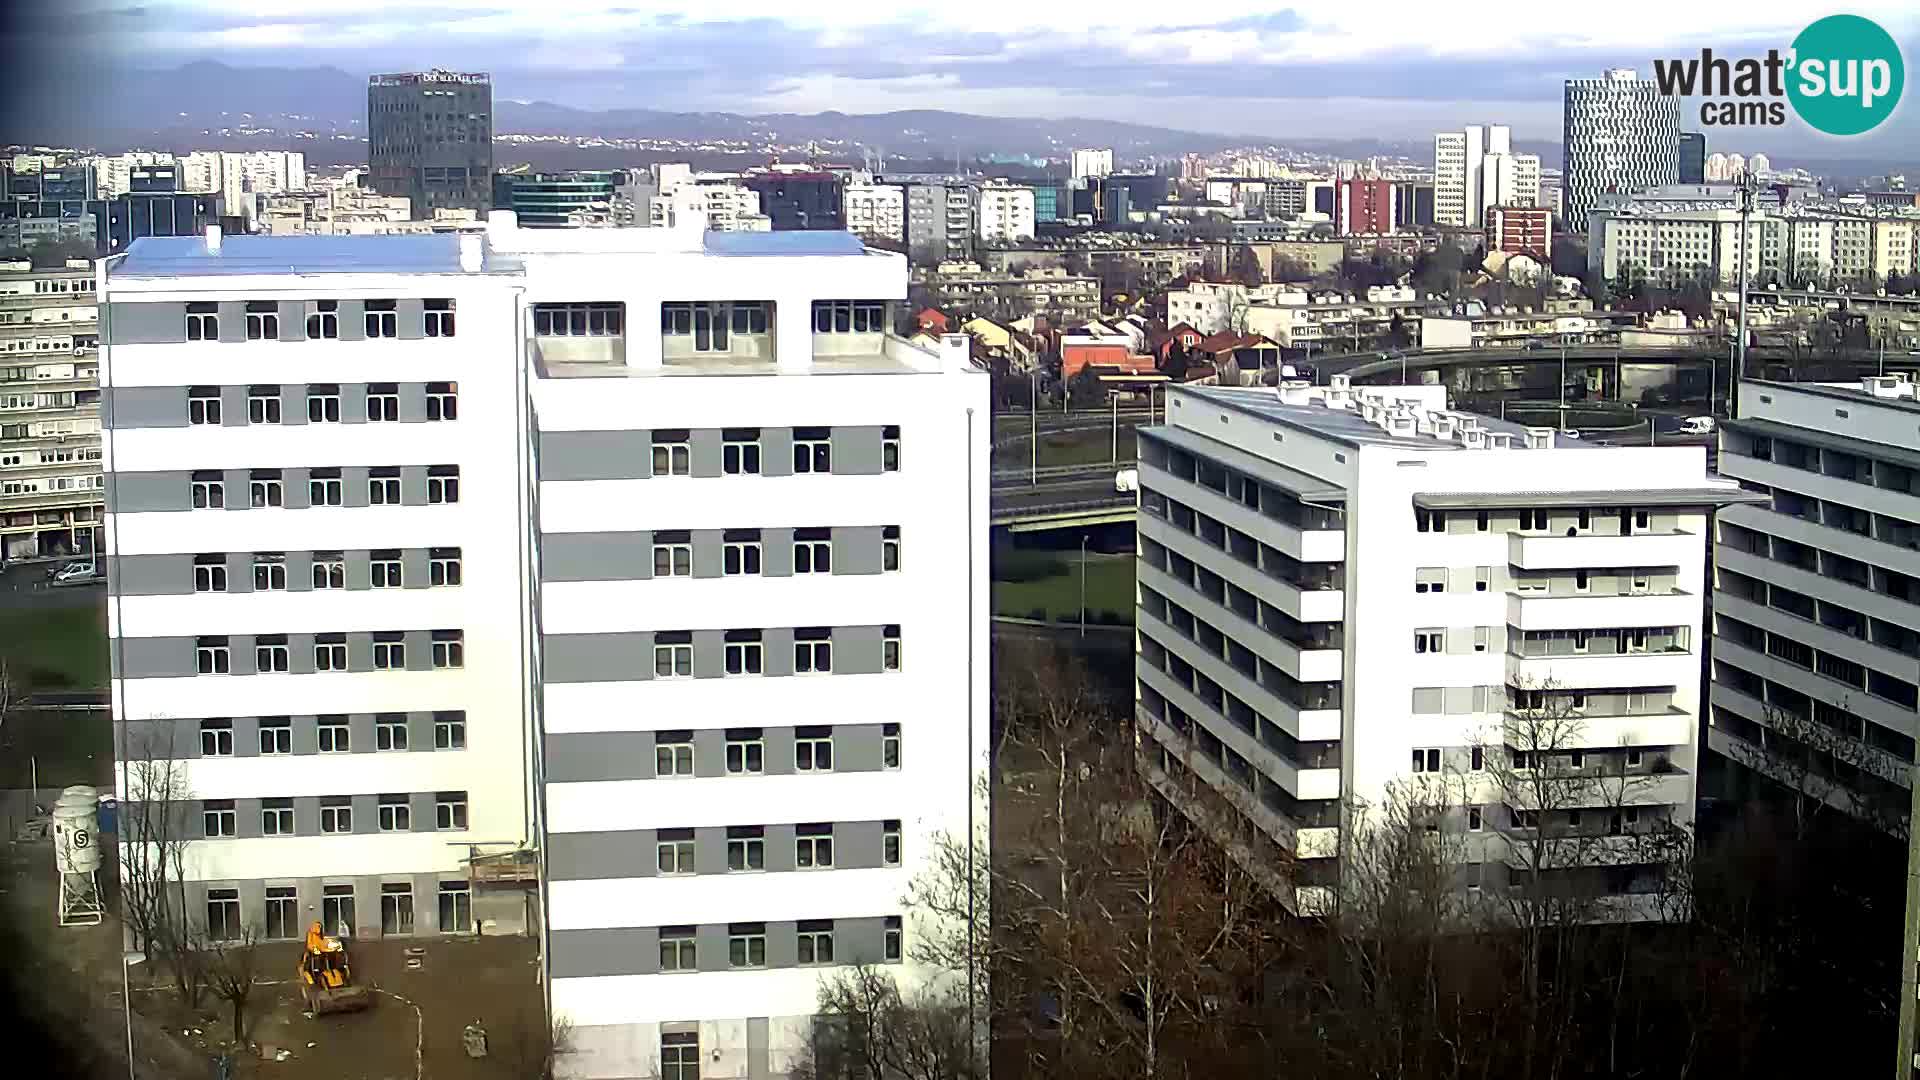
column 75, row 573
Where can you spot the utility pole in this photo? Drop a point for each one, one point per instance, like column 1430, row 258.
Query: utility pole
column 1115, row 395
column 1033, row 420
column 1747, row 189
column 1563, row 380
column 1083, row 601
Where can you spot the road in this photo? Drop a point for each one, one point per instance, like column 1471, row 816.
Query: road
column 25, row 586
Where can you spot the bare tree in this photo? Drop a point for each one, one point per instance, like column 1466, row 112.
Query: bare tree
column 1822, row 758
column 155, row 836
column 534, row 1045
column 867, row 1028
column 231, row 969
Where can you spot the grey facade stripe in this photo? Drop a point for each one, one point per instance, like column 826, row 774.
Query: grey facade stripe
column 132, row 323
column 233, row 406
column 148, row 492
column 856, row 549
column 627, row 657
column 293, row 320
column 636, row 950
column 586, row 953
column 776, row 451
column 597, row 657
column 595, row 756
column 167, row 657
column 703, row 452
column 623, row 556
column 596, row 455
column 353, row 320
column 633, row 853
column 233, row 321
column 127, row 407
column 856, row 450
column 131, row 407
column 628, row 455
column 310, row 895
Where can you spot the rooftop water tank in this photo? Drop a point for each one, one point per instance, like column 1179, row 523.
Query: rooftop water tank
column 76, row 831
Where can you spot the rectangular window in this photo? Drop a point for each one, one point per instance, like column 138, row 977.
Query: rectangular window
column 746, row 752
column 812, row 650
column 216, row 738
column 740, row 552
column 323, row 487
column 677, row 954
column 815, row 941
column 849, row 316
column 384, row 568
column 890, row 939
column 1429, row 641
column 396, row 907
column 1581, row 581
column 276, row 817
column 396, row 814
column 270, row 654
column 1482, row 579
column 443, row 483
column 813, row 551
column 383, row 319
column 443, row 567
column 1535, row 520
column 812, row 450
column 740, row 451
column 1479, row 758
column 813, row 847
column 449, row 649
column 747, row 945
column 203, row 322
column 813, row 749
column 223, row 905
column 389, row 651
column 1426, row 760
column 264, row 489
column 443, row 401
column 335, row 736
column 209, row 573
column 890, row 648
column 673, row 655
column 673, row 852
column 269, row 572
column 890, row 843
column 743, row 652
column 1480, row 521
column 323, row 320
column 890, row 448
column 450, row 731
column 211, row 656
column 336, row 909
column 383, row 403
column 276, row 735
column 746, row 849
column 1473, row 819
column 323, row 403
column 673, row 754
column 456, row 900
column 203, row 405
column 336, row 814
column 209, row 491
column 672, row 554
column 329, row 650
column 1430, row 521
column 383, row 486
column 890, row 548
column 438, row 318
column 579, row 320
column 217, row 817
column 263, row 404
column 390, row 731
column 450, row 810
column 890, row 746
column 672, row 454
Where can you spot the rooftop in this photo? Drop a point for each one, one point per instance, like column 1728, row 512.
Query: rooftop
column 1341, row 413
column 1890, row 391
column 158, row 257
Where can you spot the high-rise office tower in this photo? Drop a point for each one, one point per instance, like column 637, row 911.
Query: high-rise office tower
column 1620, row 135
column 1693, row 157
column 1476, row 168
column 430, row 139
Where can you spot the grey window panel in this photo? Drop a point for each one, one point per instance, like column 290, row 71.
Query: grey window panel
column 413, row 571
column 360, row 651
column 420, row 653
column 776, row 451
column 145, row 324
column 360, row 735
column 353, row 396
column 126, row 408
column 366, row 819
column 778, row 755
column 776, row 552
column 857, row 650
column 241, row 653
column 709, row 752
column 1428, row 699
column 783, row 950
column 588, row 756
column 246, row 824
column 409, row 317
column 353, row 487
column 359, row 569
column 306, row 733
column 151, row 738
column 600, row 855
column 233, row 320
column 597, row 657
column 239, row 571
column 759, row 1047
column 710, row 943
column 596, row 455
column 1459, row 700
column 627, row 950
column 149, row 492
column 857, row 845
column 621, row 556
column 293, row 396
column 239, row 495
column 856, row 549
column 300, row 572
column 423, row 821
column 778, row 657
column 353, row 321
column 707, row 554
column 300, row 655
column 413, row 399
column 703, row 452
column 709, row 654
column 779, row 851
column 233, row 402
column 859, row 941
column 246, row 736
column 156, row 657
column 294, row 493
column 856, row 450
column 413, row 485
column 293, row 320
column 306, row 808
column 710, row 849
column 419, row 729
column 856, row 747
column 150, row 575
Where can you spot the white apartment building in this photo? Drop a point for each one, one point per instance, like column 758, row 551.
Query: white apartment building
column 877, row 210
column 1005, row 214
column 1088, row 163
column 721, row 202
column 245, row 175
column 682, row 559
column 1795, row 244
column 1476, row 168
column 1817, row 602
column 1506, row 569
column 50, row 483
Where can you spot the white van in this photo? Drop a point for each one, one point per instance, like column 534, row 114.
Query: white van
column 1697, row 425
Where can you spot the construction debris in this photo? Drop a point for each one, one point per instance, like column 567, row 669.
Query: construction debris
column 475, row 1039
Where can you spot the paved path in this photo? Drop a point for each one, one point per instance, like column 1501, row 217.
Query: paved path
column 25, row 585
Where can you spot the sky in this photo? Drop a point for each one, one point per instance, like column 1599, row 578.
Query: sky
column 1383, row 69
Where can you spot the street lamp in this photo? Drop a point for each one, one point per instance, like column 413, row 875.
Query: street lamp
column 1083, row 584
column 127, row 960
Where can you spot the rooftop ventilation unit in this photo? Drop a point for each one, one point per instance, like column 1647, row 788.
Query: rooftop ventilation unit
column 1539, row 438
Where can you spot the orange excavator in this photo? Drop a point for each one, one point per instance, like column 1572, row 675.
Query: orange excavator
column 326, row 976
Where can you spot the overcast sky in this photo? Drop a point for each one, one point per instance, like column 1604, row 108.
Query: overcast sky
column 1387, row 68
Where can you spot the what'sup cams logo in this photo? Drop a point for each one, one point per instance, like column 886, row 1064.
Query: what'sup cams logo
column 1843, row 76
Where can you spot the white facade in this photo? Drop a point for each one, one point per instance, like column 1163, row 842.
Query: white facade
column 1005, row 214
column 722, row 204
column 876, row 210
column 50, row 483
column 1499, row 561
column 1092, row 162
column 1477, row 168
column 1620, row 135
column 244, row 175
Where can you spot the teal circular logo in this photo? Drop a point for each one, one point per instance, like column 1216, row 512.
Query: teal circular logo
column 1847, row 75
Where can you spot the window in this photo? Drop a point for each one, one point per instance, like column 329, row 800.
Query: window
column 209, row 491
column 890, row 648
column 815, row 941
column 673, row 655
column 323, row 321
column 1581, row 639
column 1480, row 521
column 740, row 451
column 396, row 814
column 890, row 843
column 747, row 945
column 450, row 731
column 1640, row 519
column 450, row 810
column 1483, row 579
column 216, row 738
column 812, row 650
column 443, row 401
column 456, row 901
column 383, row 403
column 264, row 488
column 223, row 905
column 812, row 450
column 389, row 651
column 336, row 909
column 813, row 749
column 323, row 403
column 383, row 320
column 813, row 551
column 1430, row 521
column 1634, row 640
column 740, row 552
column 578, row 320
column 890, row 746
column 390, row 731
column 673, row 754
column 1473, row 819
column 672, row 454
column 396, row 907
column 890, row 448
column 1581, row 581
column 813, row 847
column 890, row 547
column 1576, row 759
column 209, row 573
column 1479, row 758
column 890, row 939
column 270, row 654
column 677, row 954
column 384, row 569
column 443, row 566
column 217, row 817
column 443, row 483
column 746, row 751
column 746, row 848
column 1640, row 583
column 323, row 487
column 1430, row 579
column 203, row 405
column 743, row 652
column 336, row 814
column 672, row 554
column 329, row 650
column 449, row 649
column 849, row 316
column 276, row 817
column 1533, row 519
column 335, row 738
column 1429, row 641
column 673, row 852
column 263, row 404
column 269, row 572
column 1426, row 760
column 383, row 486
column 203, row 322
column 438, row 318
column 211, row 656
column 1522, row 760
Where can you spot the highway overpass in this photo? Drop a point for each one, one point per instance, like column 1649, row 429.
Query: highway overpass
column 1065, row 496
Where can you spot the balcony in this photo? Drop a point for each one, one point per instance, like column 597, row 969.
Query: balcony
column 1599, row 671
column 1583, row 731
column 1305, row 842
column 1656, row 782
column 1309, row 655
column 1313, row 599
column 1538, row 611
column 1592, row 551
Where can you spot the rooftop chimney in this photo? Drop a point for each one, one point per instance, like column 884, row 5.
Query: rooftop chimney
column 213, row 238
column 472, row 255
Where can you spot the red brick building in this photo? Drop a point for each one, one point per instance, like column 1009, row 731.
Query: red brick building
column 1521, row 230
column 1363, row 206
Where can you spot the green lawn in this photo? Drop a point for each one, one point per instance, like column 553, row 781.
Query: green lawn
column 1109, row 589
column 62, row 648
column 1083, row 447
